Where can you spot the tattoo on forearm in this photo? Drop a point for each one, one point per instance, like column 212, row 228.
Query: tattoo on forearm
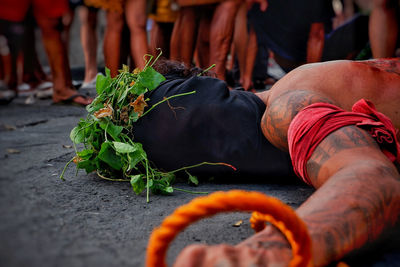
column 351, row 218
column 358, row 201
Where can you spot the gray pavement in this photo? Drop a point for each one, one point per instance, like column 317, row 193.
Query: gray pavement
column 86, row 221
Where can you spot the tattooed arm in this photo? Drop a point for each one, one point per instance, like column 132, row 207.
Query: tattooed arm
column 358, row 194
column 358, row 187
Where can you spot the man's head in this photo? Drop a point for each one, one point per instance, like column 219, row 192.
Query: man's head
column 179, row 69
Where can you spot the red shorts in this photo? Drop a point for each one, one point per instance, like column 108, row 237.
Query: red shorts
column 313, row 123
column 15, row 10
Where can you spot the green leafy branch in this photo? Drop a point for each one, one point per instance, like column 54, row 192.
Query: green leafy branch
column 106, row 133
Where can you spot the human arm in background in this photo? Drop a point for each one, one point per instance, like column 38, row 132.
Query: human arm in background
column 315, row 43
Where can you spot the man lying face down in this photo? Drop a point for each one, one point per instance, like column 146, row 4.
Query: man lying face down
column 337, row 119
column 214, row 124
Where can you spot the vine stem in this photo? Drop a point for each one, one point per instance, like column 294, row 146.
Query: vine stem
column 204, row 71
column 203, row 163
column 190, row 192
column 111, row 179
column 166, row 99
column 147, row 182
column 65, row 168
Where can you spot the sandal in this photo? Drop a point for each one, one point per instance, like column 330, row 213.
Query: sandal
column 73, row 100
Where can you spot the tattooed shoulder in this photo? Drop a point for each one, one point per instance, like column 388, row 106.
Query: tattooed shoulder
column 281, row 110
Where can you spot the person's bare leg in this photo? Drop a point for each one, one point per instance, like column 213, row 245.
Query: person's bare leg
column 5, row 60
column 112, row 41
column 160, row 37
column 184, row 34
column 88, row 18
column 221, row 34
column 203, row 40
column 252, row 49
column 57, row 54
column 240, row 39
column 383, row 28
column 135, row 14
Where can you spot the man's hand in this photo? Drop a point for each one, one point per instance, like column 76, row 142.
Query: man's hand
column 263, row 4
column 267, row 248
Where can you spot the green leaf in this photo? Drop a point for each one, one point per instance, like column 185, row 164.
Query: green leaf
column 133, row 117
column 138, row 89
column 159, row 187
column 86, row 160
column 77, row 134
column 85, row 154
column 122, row 96
column 108, row 72
column 168, row 178
column 87, row 165
column 193, row 179
column 134, row 158
column 169, row 190
column 102, row 82
column 150, row 78
column 137, row 183
column 107, row 154
column 111, row 128
column 123, row 147
column 139, row 148
column 94, row 106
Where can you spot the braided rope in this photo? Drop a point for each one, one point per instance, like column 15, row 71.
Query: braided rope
column 269, row 209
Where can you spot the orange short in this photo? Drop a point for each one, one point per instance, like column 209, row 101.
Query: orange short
column 164, row 12
column 197, row 2
column 108, row 5
column 15, row 10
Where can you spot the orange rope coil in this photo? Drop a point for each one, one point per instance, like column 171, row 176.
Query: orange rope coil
column 268, row 209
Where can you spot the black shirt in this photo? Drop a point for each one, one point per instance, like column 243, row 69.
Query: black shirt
column 214, row 124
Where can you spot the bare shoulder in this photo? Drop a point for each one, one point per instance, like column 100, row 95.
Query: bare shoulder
column 282, row 109
column 389, row 65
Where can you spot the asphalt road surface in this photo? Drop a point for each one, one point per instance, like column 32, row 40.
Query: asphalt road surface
column 87, row 221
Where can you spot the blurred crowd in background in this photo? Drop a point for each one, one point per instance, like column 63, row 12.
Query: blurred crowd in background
column 242, row 38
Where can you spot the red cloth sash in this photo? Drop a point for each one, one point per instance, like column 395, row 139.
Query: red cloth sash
column 313, row 123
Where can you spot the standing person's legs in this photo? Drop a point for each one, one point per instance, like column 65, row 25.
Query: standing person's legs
column 161, row 38
column 136, row 19
column 202, row 55
column 13, row 33
column 33, row 73
column 58, row 59
column 240, row 40
column 184, row 34
column 88, row 17
column 383, row 28
column 221, row 34
column 112, row 41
